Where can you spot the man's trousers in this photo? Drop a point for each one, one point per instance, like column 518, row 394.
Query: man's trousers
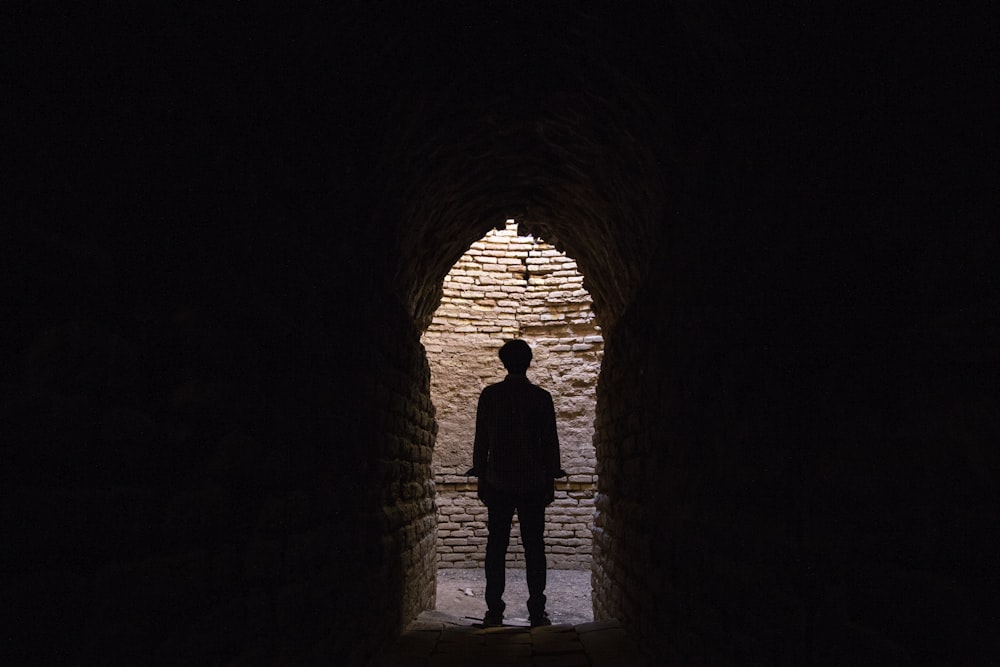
column 531, row 516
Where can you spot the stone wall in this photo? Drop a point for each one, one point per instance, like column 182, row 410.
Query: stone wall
column 788, row 483
column 406, row 516
column 509, row 286
column 208, row 475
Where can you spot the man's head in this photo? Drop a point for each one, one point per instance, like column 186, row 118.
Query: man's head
column 515, row 355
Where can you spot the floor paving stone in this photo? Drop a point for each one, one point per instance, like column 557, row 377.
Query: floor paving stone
column 439, row 640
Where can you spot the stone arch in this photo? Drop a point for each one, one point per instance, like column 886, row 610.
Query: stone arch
column 578, row 163
column 582, row 168
column 583, row 162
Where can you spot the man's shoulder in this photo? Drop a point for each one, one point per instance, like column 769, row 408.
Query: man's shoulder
column 491, row 389
column 519, row 387
column 539, row 393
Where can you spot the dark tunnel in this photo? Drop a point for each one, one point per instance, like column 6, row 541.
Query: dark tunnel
column 225, row 230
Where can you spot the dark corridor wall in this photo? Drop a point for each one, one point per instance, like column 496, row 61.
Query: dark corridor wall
column 225, row 230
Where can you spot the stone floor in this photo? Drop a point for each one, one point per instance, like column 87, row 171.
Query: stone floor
column 439, row 639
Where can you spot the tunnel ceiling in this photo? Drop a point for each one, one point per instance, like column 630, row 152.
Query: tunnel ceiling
column 569, row 169
column 545, row 119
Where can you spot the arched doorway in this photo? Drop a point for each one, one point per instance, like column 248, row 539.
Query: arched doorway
column 508, row 285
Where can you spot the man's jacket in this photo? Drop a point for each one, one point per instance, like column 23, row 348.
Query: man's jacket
column 516, row 449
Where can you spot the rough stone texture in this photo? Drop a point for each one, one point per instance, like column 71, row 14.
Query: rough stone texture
column 508, row 286
column 226, row 229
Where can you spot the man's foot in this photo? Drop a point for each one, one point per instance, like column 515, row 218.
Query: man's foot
column 537, row 620
column 493, row 619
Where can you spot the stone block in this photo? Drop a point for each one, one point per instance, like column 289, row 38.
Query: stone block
column 559, row 533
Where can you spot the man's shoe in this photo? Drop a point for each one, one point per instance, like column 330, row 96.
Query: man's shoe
column 539, row 620
column 493, row 619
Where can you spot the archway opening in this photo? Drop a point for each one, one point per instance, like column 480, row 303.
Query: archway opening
column 510, row 284
column 578, row 168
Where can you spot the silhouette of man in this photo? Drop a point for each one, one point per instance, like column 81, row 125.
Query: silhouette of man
column 516, row 458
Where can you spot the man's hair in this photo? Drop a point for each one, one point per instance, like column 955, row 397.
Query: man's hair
column 515, row 355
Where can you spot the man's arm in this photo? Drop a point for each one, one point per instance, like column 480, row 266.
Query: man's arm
column 550, row 439
column 481, row 448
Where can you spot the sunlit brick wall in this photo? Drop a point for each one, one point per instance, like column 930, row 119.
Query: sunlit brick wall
column 509, row 286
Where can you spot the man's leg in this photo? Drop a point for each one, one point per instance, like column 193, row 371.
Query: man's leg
column 532, row 518
column 501, row 513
